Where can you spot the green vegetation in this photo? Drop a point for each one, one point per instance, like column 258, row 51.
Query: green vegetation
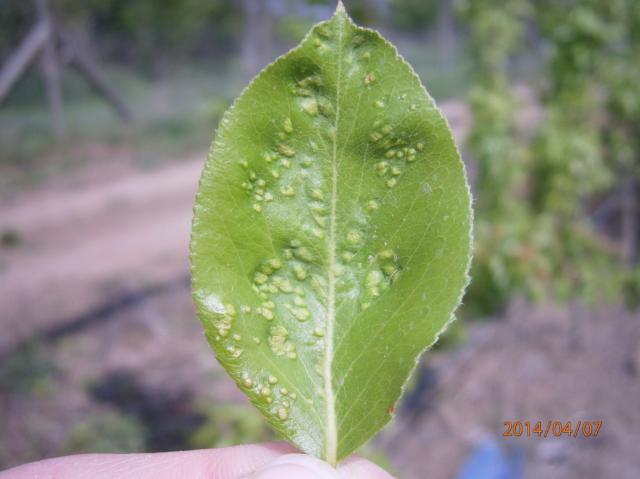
column 106, row 432
column 537, row 189
column 145, row 32
column 10, row 238
column 414, row 15
column 229, row 425
column 28, row 370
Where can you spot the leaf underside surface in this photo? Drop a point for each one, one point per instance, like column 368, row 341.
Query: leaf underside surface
column 331, row 236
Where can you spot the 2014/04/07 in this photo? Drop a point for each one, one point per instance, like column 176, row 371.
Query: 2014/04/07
column 552, row 427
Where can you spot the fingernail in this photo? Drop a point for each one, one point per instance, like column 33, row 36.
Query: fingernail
column 297, row 466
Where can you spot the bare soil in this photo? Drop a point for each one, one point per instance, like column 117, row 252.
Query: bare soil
column 86, row 240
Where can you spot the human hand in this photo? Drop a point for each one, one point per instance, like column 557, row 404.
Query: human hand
column 255, row 461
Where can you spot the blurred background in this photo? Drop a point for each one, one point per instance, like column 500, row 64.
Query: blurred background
column 107, row 109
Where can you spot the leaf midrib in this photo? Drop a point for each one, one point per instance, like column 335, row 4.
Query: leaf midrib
column 331, row 434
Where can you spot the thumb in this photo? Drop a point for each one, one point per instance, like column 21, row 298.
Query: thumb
column 302, row 466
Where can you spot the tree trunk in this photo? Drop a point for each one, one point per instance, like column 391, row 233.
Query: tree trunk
column 83, row 62
column 446, row 30
column 23, row 56
column 257, row 39
column 51, row 72
column 630, row 222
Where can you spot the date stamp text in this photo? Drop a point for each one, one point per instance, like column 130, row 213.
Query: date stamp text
column 552, row 428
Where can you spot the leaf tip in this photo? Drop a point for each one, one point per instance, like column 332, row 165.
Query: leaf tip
column 340, row 8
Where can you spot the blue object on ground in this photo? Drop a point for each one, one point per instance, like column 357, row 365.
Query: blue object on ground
column 489, row 461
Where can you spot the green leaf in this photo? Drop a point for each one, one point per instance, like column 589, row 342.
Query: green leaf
column 331, row 236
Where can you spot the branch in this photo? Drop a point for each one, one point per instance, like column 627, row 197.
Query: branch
column 23, row 56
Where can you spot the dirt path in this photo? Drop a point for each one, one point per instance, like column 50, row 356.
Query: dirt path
column 81, row 245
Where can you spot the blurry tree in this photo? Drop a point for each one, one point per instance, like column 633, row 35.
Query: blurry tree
column 257, row 38
column 414, row 15
column 570, row 162
column 619, row 69
column 48, row 40
column 15, row 21
column 292, row 28
column 148, row 32
column 569, row 166
column 504, row 251
column 535, row 230
column 364, row 12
